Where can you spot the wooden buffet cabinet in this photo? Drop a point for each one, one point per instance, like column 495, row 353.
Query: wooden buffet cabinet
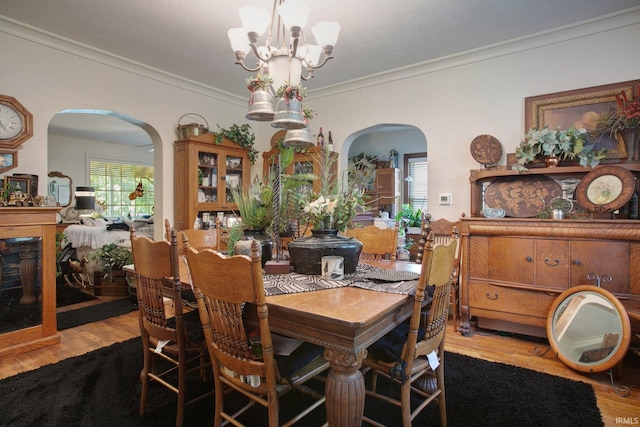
column 225, row 165
column 385, row 192
column 512, row 269
column 27, row 279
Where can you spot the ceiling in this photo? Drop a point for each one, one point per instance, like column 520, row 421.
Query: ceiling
column 188, row 38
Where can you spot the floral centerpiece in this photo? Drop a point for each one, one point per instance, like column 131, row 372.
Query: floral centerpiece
column 572, row 144
column 259, row 82
column 625, row 115
column 623, row 119
column 327, row 211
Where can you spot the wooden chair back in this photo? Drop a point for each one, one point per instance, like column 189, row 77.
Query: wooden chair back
column 377, row 243
column 226, row 288
column 413, row 366
column 198, row 239
column 158, row 275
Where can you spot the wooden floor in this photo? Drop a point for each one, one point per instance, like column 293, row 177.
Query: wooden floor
column 484, row 344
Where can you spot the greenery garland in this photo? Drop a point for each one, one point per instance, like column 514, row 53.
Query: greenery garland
column 240, row 135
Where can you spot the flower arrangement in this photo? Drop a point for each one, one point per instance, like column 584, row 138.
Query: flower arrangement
column 290, row 91
column 565, row 144
column 331, row 208
column 261, row 81
column 625, row 114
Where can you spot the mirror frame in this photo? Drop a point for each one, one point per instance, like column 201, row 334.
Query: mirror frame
column 56, row 174
column 623, row 345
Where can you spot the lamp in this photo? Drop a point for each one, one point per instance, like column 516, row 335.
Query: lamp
column 286, row 62
column 85, row 198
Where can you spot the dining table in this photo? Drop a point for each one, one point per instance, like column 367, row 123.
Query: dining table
column 345, row 321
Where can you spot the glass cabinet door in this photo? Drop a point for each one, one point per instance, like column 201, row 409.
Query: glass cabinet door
column 233, row 178
column 207, row 177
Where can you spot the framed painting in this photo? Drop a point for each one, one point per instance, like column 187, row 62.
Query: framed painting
column 34, row 182
column 580, row 108
column 17, row 183
column 8, row 160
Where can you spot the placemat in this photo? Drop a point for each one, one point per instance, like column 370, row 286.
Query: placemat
column 278, row 284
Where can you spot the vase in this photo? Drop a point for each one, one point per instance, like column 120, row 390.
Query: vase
column 631, row 138
column 243, row 247
column 306, row 252
column 552, row 161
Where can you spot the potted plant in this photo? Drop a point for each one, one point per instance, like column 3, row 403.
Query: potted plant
column 255, row 206
column 410, row 219
column 572, row 144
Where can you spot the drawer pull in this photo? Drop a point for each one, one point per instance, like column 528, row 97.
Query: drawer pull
column 529, row 259
column 495, row 296
column 551, row 263
column 577, row 262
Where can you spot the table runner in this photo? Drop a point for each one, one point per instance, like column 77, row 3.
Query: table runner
column 277, row 284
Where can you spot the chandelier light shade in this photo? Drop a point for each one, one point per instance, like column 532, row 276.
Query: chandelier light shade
column 284, row 53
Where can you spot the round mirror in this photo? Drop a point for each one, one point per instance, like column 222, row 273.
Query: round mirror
column 588, row 328
column 59, row 187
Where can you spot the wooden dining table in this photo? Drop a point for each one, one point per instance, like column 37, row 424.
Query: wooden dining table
column 345, row 321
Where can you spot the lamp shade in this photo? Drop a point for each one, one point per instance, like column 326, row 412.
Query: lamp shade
column 85, row 198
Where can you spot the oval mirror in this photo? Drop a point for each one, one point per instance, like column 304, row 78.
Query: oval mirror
column 59, row 187
column 588, row 328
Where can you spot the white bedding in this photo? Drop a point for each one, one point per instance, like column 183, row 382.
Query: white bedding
column 95, row 237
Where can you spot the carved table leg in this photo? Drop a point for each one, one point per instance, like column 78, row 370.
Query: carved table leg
column 345, row 390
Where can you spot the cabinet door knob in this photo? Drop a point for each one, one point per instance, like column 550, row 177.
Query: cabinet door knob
column 529, row 259
column 551, row 263
column 577, row 262
column 494, row 297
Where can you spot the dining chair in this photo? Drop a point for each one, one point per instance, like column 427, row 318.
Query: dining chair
column 377, row 243
column 409, row 354
column 199, row 239
column 442, row 230
column 243, row 356
column 171, row 344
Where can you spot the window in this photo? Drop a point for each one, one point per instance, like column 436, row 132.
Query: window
column 115, row 182
column 416, row 180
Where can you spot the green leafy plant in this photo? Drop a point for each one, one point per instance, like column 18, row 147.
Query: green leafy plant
column 240, row 135
column 569, row 144
column 255, row 205
column 409, row 217
column 111, row 257
column 235, row 234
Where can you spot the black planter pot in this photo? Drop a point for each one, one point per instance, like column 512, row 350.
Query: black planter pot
column 266, row 244
column 306, row 252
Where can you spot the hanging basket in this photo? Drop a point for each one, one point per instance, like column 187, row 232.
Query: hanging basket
column 186, row 131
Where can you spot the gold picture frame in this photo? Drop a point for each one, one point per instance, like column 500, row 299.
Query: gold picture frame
column 579, row 108
column 17, row 183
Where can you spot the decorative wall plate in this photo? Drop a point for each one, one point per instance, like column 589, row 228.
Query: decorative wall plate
column 486, row 150
column 605, row 189
column 522, row 196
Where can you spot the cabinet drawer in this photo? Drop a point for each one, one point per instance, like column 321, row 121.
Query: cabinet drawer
column 509, row 300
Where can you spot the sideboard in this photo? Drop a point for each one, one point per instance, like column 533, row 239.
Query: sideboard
column 27, row 279
column 512, row 269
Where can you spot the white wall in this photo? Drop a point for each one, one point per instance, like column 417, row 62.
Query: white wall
column 451, row 101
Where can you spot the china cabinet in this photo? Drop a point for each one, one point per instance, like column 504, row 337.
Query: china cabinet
column 27, row 279
column 205, row 173
column 305, row 161
column 384, row 194
column 514, row 268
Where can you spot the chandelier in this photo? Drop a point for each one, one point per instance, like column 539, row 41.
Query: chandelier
column 284, row 60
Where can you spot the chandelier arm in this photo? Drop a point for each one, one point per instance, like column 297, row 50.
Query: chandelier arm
column 315, row 67
column 251, row 70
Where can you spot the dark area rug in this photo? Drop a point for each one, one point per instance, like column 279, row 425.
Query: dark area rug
column 94, row 313
column 102, row 388
column 66, row 295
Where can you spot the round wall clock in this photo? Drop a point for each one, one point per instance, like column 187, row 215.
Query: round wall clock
column 16, row 123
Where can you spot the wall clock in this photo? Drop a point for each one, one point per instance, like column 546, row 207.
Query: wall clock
column 16, row 123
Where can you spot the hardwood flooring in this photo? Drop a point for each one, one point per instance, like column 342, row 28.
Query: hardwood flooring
column 484, row 344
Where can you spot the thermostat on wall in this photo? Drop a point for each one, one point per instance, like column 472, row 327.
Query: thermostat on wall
column 444, row 198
